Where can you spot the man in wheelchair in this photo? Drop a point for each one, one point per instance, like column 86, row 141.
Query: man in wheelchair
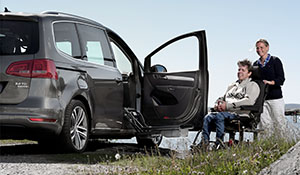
column 243, row 92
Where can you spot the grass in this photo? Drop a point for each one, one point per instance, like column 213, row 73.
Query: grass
column 246, row 158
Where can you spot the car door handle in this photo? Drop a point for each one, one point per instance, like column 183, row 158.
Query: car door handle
column 164, row 77
column 161, row 77
column 171, row 89
column 118, row 80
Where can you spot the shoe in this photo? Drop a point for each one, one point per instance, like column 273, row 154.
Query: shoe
column 203, row 146
column 219, row 144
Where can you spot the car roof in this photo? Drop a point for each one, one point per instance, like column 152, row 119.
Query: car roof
column 51, row 14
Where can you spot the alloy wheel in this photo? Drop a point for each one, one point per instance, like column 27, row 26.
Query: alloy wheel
column 79, row 128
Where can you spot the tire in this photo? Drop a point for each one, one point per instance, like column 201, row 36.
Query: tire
column 150, row 141
column 75, row 132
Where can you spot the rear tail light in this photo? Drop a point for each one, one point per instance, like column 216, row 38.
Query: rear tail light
column 42, row 120
column 39, row 68
column 20, row 68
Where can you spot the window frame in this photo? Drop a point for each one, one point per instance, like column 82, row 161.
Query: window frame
column 107, row 60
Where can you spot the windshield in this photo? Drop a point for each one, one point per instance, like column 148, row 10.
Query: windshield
column 18, row 37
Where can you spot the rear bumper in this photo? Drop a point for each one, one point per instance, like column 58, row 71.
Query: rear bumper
column 21, row 127
column 20, row 122
column 22, row 132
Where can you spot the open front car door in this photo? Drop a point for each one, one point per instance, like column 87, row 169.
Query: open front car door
column 175, row 87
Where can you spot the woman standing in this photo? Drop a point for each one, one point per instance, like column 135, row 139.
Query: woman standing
column 272, row 118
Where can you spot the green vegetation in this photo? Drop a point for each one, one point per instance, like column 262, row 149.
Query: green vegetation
column 246, row 158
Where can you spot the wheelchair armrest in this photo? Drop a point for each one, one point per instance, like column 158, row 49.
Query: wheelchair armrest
column 212, row 110
column 251, row 108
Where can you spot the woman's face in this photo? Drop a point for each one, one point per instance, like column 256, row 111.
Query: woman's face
column 261, row 49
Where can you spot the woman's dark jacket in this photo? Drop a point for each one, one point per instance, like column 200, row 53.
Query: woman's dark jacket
column 273, row 70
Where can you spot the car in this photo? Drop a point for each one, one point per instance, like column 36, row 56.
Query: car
column 65, row 79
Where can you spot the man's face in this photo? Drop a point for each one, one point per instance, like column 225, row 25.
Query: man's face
column 243, row 72
column 262, row 49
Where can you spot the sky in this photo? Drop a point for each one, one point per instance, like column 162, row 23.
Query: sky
column 232, row 28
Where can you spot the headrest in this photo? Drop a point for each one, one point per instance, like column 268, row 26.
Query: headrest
column 256, row 73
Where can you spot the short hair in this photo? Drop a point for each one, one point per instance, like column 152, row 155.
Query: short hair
column 264, row 41
column 247, row 63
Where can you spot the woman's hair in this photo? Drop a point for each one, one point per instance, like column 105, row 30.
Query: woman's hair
column 264, row 41
column 247, row 63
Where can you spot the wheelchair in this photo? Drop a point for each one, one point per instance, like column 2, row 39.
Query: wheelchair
column 248, row 123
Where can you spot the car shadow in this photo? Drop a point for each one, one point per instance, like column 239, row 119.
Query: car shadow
column 96, row 152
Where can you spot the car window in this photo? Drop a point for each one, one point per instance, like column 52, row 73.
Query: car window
column 94, row 52
column 66, row 39
column 123, row 63
column 182, row 55
column 95, row 45
column 65, row 46
column 18, row 37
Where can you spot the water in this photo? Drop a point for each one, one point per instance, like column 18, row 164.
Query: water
column 290, row 119
column 184, row 143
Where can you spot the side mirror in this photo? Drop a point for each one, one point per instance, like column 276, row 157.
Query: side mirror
column 158, row 68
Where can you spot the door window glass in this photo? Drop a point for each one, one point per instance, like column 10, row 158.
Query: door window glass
column 123, row 63
column 182, row 55
column 65, row 46
column 66, row 39
column 95, row 45
column 94, row 52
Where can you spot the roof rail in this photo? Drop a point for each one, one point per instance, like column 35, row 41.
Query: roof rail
column 67, row 14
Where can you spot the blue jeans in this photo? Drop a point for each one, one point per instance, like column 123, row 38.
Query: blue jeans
column 218, row 118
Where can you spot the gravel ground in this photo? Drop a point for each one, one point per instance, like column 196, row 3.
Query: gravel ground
column 58, row 168
column 23, row 159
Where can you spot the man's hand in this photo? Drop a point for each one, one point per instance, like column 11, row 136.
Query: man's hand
column 221, row 106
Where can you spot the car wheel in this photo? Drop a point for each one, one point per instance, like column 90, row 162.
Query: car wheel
column 75, row 132
column 150, row 141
